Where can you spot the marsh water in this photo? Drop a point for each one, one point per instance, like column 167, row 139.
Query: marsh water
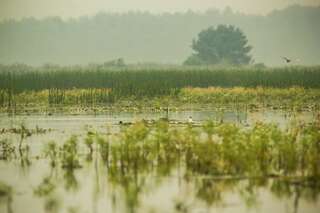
column 167, row 188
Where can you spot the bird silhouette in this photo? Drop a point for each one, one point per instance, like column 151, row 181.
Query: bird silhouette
column 288, row 60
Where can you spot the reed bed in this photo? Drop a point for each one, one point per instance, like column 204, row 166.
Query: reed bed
column 157, row 82
column 93, row 86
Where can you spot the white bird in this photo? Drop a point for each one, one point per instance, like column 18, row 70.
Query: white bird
column 190, row 119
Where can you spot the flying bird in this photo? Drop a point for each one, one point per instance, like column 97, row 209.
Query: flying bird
column 288, row 60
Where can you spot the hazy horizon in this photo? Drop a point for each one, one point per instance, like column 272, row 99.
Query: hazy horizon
column 146, row 37
column 16, row 9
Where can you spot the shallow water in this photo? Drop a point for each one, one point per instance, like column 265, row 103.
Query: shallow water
column 93, row 188
column 78, row 122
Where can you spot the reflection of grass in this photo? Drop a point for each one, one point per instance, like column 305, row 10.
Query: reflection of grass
column 220, row 155
column 6, row 193
column 69, row 154
column 5, row 190
column 45, row 188
column 51, row 151
column 215, row 157
column 213, row 149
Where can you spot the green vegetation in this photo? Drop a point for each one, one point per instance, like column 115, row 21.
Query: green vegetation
column 83, row 87
column 151, row 82
column 216, row 158
column 92, row 101
column 7, row 150
column 110, row 162
column 69, row 154
column 217, row 149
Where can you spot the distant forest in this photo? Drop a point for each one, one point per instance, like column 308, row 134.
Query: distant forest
column 140, row 37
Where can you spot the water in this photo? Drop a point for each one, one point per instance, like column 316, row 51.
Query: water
column 169, row 188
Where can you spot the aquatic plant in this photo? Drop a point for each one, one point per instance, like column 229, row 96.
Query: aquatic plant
column 69, row 154
column 89, row 141
column 222, row 99
column 104, row 148
column 51, row 151
column 24, row 132
column 82, row 87
column 152, row 82
column 7, row 149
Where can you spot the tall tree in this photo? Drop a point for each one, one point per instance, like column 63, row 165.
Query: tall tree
column 223, row 44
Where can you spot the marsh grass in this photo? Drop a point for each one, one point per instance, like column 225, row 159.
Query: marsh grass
column 151, row 82
column 217, row 158
column 218, row 149
column 51, row 151
column 221, row 99
column 107, row 86
column 69, row 154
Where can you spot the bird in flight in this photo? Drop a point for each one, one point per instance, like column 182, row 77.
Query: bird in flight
column 288, row 60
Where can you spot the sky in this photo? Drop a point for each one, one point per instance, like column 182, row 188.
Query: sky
column 18, row 9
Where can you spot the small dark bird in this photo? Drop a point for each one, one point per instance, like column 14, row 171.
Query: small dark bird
column 288, row 60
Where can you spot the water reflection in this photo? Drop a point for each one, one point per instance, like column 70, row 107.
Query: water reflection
column 70, row 180
column 6, row 194
column 123, row 176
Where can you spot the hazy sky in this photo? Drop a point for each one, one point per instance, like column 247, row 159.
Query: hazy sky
column 18, row 9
